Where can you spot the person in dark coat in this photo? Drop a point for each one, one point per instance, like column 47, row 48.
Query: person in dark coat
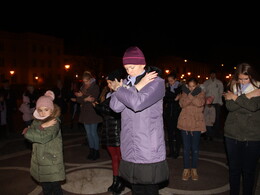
column 111, row 128
column 242, row 129
column 61, row 97
column 89, row 93
column 33, row 95
column 171, row 113
column 11, row 105
column 3, row 121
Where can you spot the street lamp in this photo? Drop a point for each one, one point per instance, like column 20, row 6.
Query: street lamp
column 12, row 72
column 12, row 75
column 67, row 67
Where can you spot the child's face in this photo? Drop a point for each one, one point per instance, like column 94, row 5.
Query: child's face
column 109, row 84
column 243, row 79
column 171, row 80
column 192, row 85
column 44, row 111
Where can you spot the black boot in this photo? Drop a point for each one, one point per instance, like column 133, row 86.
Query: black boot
column 111, row 188
column 95, row 155
column 91, row 154
column 119, row 186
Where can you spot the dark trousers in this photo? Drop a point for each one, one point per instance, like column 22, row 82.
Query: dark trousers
column 3, row 132
column 191, row 142
column 147, row 189
column 210, row 132
column 217, row 124
column 51, row 188
column 174, row 135
column 242, row 159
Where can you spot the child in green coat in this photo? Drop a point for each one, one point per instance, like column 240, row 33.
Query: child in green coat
column 47, row 166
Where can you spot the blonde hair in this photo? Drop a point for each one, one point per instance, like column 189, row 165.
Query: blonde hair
column 87, row 75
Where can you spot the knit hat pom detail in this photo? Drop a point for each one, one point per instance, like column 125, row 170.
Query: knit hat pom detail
column 50, row 94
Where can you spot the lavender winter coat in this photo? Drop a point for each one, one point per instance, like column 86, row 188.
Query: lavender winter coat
column 142, row 132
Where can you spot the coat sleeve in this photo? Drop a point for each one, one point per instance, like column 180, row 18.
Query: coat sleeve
column 94, row 92
column 198, row 100
column 115, row 104
column 221, row 87
column 38, row 135
column 80, row 100
column 184, row 100
column 140, row 100
column 25, row 109
column 103, row 108
column 252, row 104
column 231, row 105
column 213, row 115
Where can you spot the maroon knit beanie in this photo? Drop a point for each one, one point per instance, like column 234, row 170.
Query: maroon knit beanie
column 133, row 55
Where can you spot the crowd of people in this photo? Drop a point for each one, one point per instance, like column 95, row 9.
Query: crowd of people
column 141, row 114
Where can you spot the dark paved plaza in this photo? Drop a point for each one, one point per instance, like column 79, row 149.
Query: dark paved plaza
column 94, row 177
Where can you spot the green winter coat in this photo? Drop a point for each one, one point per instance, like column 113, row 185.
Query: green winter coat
column 243, row 120
column 47, row 153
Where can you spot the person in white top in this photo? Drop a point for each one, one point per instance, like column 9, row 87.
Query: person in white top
column 210, row 117
column 214, row 87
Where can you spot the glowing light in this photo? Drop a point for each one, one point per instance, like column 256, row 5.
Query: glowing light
column 167, row 71
column 67, row 67
column 12, row 72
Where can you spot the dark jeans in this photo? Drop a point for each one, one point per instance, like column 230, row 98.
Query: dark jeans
column 148, row 189
column 217, row 124
column 191, row 141
column 210, row 132
column 242, row 159
column 174, row 137
column 51, row 188
column 92, row 135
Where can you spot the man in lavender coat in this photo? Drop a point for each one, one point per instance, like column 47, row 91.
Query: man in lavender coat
column 139, row 99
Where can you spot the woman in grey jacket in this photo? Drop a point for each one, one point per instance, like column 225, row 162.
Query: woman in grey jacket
column 139, row 98
column 242, row 135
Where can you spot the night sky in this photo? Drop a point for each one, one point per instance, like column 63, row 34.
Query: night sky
column 229, row 43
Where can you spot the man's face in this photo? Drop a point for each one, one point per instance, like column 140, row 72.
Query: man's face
column 213, row 75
